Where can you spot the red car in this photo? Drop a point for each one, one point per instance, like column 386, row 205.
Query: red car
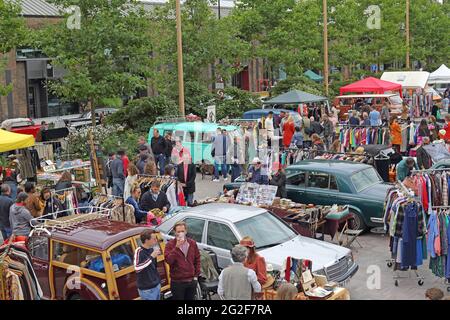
column 21, row 125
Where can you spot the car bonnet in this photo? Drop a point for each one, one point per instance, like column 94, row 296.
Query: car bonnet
column 321, row 253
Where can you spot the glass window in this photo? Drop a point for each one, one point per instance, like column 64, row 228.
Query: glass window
column 38, row 247
column 266, row 230
column 190, row 136
column 76, row 256
column 365, row 178
column 195, row 229
column 318, row 180
column 207, row 137
column 296, row 180
column 333, row 183
column 122, row 256
column 221, row 236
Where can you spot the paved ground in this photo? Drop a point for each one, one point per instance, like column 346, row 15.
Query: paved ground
column 371, row 260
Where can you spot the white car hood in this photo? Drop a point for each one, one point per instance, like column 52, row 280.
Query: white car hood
column 321, row 253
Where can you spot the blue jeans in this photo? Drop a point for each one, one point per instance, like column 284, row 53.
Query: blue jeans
column 190, row 199
column 161, row 162
column 6, row 232
column 150, row 294
column 236, row 170
column 220, row 162
column 118, row 187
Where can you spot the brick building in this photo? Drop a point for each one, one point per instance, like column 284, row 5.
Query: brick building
column 28, row 69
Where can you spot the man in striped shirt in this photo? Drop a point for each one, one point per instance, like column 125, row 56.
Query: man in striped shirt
column 147, row 276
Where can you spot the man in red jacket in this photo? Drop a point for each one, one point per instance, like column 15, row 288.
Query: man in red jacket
column 183, row 257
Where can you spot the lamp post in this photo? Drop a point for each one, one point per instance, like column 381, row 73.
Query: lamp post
column 325, row 46
column 407, row 34
column 180, row 60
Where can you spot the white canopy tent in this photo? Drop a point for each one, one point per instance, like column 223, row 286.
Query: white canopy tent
column 408, row 79
column 441, row 75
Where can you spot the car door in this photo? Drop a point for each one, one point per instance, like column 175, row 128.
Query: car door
column 38, row 246
column 220, row 238
column 321, row 188
column 295, row 186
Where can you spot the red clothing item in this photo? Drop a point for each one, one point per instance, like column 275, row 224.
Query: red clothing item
column 259, row 266
column 288, row 132
column 125, row 161
column 182, row 269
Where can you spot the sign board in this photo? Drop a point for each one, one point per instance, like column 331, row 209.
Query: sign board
column 220, row 85
column 211, row 114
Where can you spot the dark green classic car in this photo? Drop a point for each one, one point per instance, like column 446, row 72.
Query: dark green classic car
column 328, row 182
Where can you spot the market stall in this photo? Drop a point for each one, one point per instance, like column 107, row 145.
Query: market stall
column 10, row 141
column 372, row 85
column 440, row 78
column 414, row 94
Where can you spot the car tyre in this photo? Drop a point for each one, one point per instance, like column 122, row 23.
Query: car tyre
column 357, row 223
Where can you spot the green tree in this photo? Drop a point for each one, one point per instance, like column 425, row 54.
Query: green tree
column 103, row 46
column 206, row 41
column 12, row 34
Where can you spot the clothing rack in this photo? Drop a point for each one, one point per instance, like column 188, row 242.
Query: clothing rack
column 430, row 170
column 53, row 193
column 359, row 125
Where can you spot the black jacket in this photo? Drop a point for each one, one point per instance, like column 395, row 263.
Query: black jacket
column 159, row 145
column 423, row 158
column 52, row 206
column 315, row 127
column 147, row 203
column 279, row 180
column 191, row 175
column 5, row 204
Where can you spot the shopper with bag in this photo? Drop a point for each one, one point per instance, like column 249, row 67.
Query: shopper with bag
column 183, row 257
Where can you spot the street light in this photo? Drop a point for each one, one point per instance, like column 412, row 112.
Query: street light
column 180, row 60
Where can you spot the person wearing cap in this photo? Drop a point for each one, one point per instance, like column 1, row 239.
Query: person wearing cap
column 20, row 216
column 278, row 179
column 256, row 173
column 237, row 282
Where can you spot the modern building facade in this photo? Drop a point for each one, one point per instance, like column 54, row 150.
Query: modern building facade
column 28, row 70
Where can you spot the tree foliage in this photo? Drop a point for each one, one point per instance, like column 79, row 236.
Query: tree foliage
column 106, row 57
column 12, row 34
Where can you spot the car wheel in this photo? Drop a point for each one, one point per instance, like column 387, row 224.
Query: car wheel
column 357, row 223
column 75, row 296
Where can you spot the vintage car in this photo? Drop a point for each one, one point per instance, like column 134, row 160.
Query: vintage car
column 89, row 257
column 22, row 126
column 217, row 227
column 328, row 182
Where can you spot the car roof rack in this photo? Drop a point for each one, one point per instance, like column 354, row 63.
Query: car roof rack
column 49, row 223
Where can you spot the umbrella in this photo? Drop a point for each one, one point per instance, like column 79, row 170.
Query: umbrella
column 295, row 97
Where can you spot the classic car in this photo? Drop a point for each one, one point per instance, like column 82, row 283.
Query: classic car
column 328, row 182
column 85, row 118
column 218, row 227
column 89, row 260
column 21, row 125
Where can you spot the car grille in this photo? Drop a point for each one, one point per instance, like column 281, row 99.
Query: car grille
column 338, row 270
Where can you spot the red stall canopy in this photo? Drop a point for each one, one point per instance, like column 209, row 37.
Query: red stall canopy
column 372, row 85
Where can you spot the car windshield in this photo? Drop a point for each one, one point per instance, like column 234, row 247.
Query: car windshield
column 266, row 230
column 365, row 178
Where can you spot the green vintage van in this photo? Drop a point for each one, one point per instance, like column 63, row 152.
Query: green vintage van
column 196, row 136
